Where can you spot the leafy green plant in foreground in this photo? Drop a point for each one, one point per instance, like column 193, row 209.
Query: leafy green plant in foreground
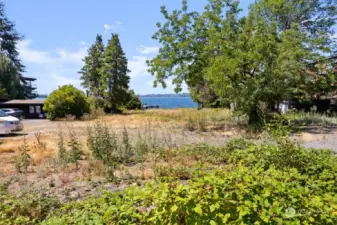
column 240, row 183
column 241, row 196
column 279, row 183
column 28, row 209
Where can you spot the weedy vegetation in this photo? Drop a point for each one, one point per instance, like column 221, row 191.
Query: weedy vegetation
column 242, row 182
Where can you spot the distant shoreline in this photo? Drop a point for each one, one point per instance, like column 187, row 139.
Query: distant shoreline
column 165, row 95
column 143, row 96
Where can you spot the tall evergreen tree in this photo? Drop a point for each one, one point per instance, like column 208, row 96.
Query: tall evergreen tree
column 10, row 65
column 115, row 79
column 91, row 71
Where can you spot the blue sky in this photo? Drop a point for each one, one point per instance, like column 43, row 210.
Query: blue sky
column 57, row 34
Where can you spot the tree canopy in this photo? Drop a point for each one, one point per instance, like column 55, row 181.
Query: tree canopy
column 105, row 76
column 115, row 74
column 11, row 68
column 91, row 71
column 256, row 61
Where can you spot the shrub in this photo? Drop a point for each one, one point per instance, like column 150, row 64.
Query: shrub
column 190, row 125
column 23, row 161
column 126, row 150
column 75, row 148
column 28, row 209
column 67, row 100
column 102, row 143
column 133, row 101
column 62, row 154
column 239, row 196
column 277, row 183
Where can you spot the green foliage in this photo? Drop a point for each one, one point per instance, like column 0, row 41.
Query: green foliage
column 10, row 65
column 254, row 62
column 75, row 148
column 239, row 144
column 133, row 101
column 91, row 71
column 126, row 150
column 280, row 126
column 70, row 152
column 115, row 79
column 278, row 183
column 28, row 209
column 241, row 195
column 105, row 76
column 62, row 154
column 103, row 143
column 67, row 100
column 190, row 125
column 23, row 161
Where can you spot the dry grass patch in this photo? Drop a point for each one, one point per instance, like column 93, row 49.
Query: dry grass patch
column 8, row 147
column 201, row 120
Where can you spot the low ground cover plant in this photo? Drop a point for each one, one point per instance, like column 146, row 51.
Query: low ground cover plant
column 242, row 182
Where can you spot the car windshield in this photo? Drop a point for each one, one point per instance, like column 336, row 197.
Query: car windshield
column 2, row 113
column 5, row 110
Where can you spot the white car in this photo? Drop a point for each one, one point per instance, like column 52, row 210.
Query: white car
column 9, row 124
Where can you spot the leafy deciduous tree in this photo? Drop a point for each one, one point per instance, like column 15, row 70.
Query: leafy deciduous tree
column 255, row 61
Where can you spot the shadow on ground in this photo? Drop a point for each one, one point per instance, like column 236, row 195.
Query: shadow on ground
column 12, row 135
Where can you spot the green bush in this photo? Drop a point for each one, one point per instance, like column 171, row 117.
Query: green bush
column 67, row 100
column 280, row 183
column 28, row 209
column 133, row 101
column 103, row 143
column 240, row 196
column 240, row 183
column 285, row 154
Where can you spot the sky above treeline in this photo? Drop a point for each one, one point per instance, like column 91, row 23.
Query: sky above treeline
column 58, row 33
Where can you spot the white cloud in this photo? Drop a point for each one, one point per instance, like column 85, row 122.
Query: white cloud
column 75, row 56
column 52, row 68
column 149, row 83
column 118, row 22
column 142, row 49
column 60, row 80
column 138, row 66
column 57, row 56
column 31, row 55
column 60, row 66
column 83, row 43
column 108, row 27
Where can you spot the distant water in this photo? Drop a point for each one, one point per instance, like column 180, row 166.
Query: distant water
column 166, row 102
column 170, row 102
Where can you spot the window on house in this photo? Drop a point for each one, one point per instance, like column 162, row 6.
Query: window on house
column 31, row 109
column 38, row 109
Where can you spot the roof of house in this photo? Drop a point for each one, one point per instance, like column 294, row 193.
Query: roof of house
column 22, row 102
